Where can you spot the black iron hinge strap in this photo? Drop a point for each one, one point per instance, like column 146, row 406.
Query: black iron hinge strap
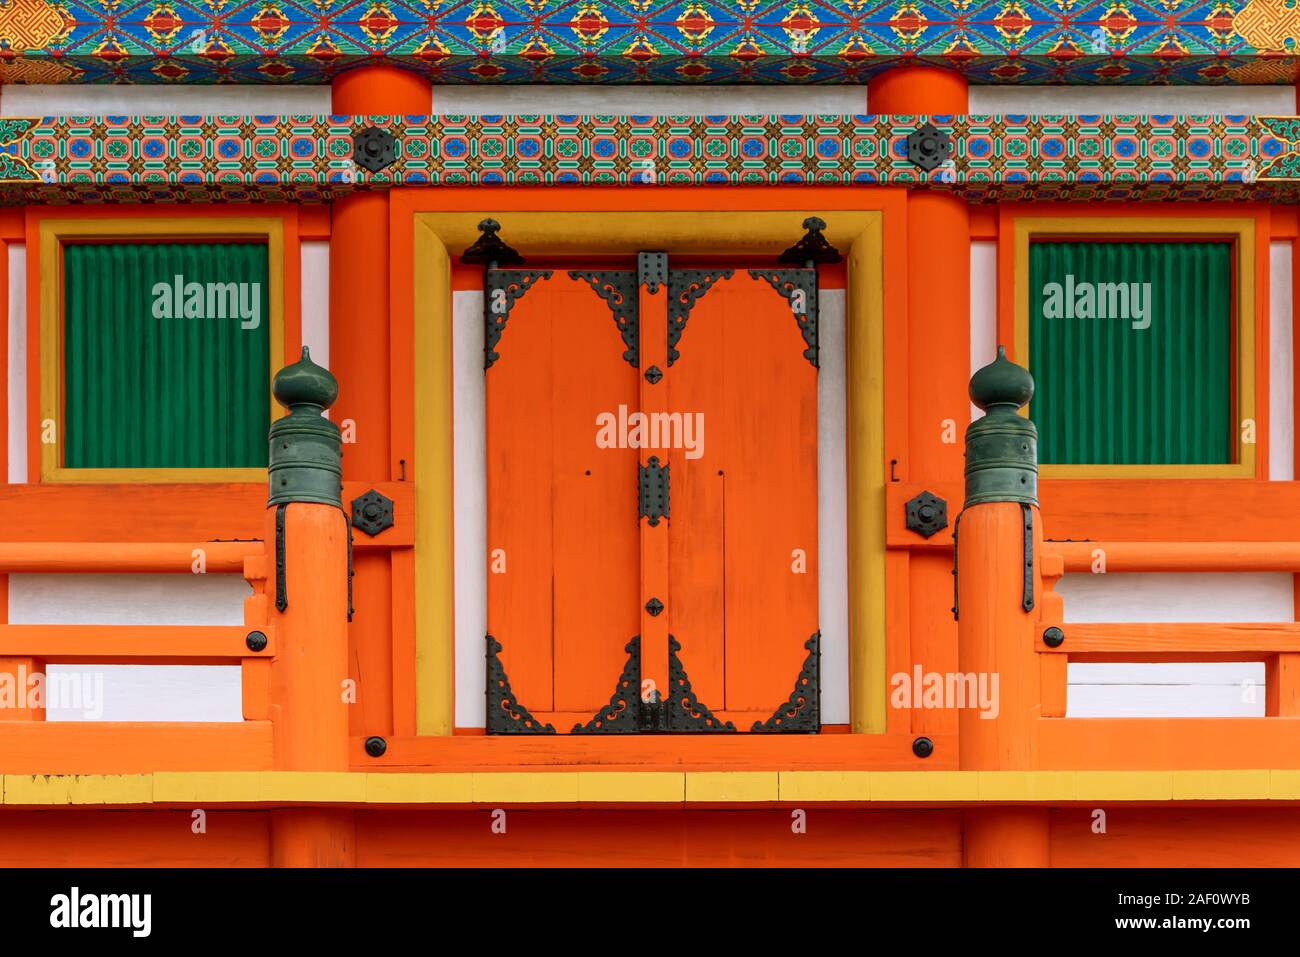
column 347, row 520
column 653, row 490
column 685, row 288
column 799, row 288
column 502, row 288
column 955, row 526
column 618, row 289
column 1027, row 602
column 281, row 589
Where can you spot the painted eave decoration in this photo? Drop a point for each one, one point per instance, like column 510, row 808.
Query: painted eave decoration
column 310, row 158
column 641, row 41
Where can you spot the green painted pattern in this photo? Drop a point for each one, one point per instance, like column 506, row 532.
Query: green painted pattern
column 147, row 391
column 1110, row 393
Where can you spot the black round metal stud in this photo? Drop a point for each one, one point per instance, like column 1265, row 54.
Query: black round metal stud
column 1053, row 637
column 923, row 747
column 376, row 746
column 256, row 641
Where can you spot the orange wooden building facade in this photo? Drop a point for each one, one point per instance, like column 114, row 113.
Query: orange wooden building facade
column 388, row 775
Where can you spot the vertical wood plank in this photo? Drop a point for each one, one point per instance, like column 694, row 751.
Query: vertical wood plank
column 519, row 497
column 595, row 532
column 742, row 364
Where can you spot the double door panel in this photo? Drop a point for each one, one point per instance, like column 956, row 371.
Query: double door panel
column 611, row 400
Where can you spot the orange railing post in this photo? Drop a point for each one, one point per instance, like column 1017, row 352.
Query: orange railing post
column 999, row 540
column 307, row 536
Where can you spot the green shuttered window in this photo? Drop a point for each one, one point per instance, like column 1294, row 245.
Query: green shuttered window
column 161, row 371
column 1130, row 344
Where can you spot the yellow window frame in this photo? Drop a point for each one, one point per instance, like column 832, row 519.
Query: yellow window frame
column 54, row 234
column 1241, row 231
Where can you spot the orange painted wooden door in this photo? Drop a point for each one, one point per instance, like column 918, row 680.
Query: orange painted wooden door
column 743, row 533
column 652, row 500
column 562, row 531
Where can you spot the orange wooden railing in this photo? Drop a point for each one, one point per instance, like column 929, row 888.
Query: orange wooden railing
column 1160, row 743
column 32, row 744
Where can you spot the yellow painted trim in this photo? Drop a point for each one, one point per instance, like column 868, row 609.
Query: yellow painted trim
column 525, row 787
column 1242, row 231
column 708, row 787
column 825, row 786
column 45, row 789
column 402, row 788
column 762, row 234
column 613, row 787
column 929, row 788
column 435, row 627
column 53, row 234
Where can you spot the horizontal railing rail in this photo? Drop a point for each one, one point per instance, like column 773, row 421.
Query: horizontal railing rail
column 137, row 557
column 1223, row 742
column 1177, row 556
column 27, row 649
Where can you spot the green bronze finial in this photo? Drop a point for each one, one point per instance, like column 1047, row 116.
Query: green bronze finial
column 306, row 462
column 1001, row 447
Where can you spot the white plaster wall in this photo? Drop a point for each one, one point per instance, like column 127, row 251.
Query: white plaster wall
column 1186, row 690
column 470, row 531
column 1281, row 360
column 1178, row 596
column 833, row 506
column 146, row 693
column 1140, row 100
column 74, row 100
column 316, row 300
column 161, row 99
column 983, row 308
column 648, row 100
column 17, row 386
column 469, row 478
column 179, row 599
column 138, row 692
column 1200, row 689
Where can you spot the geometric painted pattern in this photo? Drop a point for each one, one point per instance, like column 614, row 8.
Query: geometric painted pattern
column 309, row 158
column 645, row 41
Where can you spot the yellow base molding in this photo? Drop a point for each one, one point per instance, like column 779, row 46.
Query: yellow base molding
column 642, row 788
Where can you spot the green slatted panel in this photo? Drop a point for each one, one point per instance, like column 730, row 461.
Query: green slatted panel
column 147, row 392
column 1111, row 394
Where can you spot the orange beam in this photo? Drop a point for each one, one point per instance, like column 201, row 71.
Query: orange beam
column 1166, row 744
column 113, row 747
column 125, row 556
column 678, row 752
column 151, row 514
column 87, row 642
column 1181, row 639
column 1180, row 556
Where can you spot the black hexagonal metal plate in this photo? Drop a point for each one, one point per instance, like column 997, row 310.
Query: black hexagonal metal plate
column 372, row 512
column 926, row 514
column 374, row 149
column 929, row 147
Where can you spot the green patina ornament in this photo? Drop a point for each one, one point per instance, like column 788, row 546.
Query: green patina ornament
column 1001, row 447
column 306, row 462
